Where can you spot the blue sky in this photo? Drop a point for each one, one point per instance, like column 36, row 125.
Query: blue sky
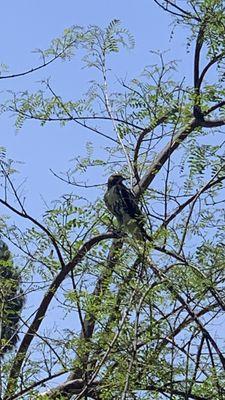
column 28, row 25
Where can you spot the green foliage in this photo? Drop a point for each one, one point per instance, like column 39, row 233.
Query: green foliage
column 11, row 300
column 136, row 320
column 198, row 159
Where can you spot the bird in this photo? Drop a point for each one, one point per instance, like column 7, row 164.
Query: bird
column 122, row 203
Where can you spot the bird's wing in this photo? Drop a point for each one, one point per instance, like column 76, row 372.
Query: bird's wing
column 120, row 201
column 112, row 201
column 117, row 204
column 129, row 201
column 108, row 202
column 132, row 218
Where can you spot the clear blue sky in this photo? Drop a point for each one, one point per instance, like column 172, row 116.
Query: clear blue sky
column 28, row 25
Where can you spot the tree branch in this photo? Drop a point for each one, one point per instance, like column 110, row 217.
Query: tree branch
column 24, row 215
column 45, row 64
column 163, row 157
column 27, row 339
column 209, row 185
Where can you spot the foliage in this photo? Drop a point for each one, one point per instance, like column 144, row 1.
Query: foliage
column 134, row 320
column 12, row 300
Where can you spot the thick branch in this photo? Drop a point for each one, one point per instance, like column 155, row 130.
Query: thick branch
column 171, row 146
column 140, row 139
column 163, row 157
column 215, row 107
column 165, row 390
column 198, row 47
column 71, row 387
column 197, row 101
column 212, row 123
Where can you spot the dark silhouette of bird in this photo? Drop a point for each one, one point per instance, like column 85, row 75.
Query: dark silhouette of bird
column 122, row 203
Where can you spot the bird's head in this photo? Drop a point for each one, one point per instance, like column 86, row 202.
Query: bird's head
column 115, row 179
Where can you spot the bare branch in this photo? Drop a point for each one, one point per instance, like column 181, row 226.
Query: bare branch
column 181, row 14
column 25, row 215
column 209, row 185
column 45, row 64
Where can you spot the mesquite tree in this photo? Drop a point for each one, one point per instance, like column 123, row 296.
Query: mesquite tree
column 131, row 320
